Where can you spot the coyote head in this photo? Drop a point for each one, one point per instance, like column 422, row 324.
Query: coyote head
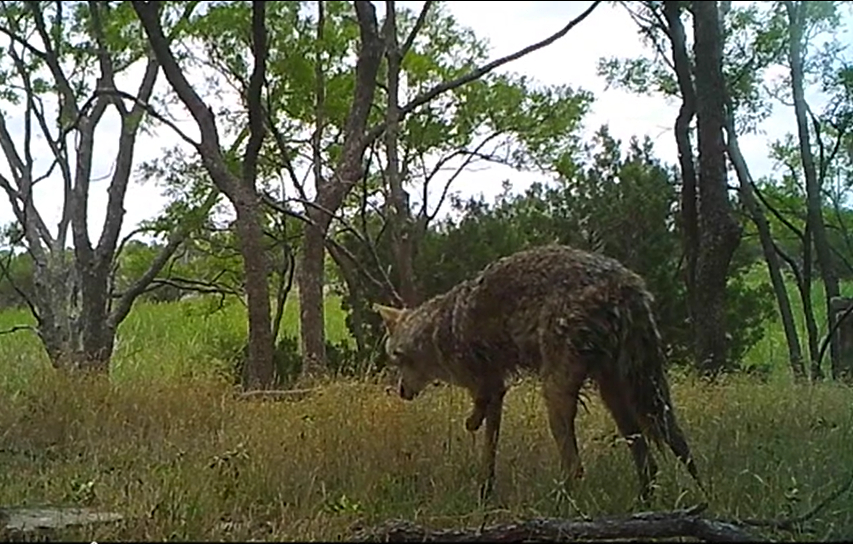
column 410, row 348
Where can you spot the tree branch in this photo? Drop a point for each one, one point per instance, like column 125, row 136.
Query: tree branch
column 677, row 523
column 124, row 162
column 253, row 98
column 419, row 23
column 427, row 96
column 178, row 236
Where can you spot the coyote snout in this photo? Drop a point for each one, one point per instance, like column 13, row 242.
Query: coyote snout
column 405, row 392
column 567, row 315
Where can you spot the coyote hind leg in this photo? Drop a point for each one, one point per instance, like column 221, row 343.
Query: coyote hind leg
column 492, row 409
column 613, row 394
column 561, row 386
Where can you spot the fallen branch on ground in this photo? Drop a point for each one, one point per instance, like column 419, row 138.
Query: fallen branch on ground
column 672, row 524
column 788, row 524
column 22, row 523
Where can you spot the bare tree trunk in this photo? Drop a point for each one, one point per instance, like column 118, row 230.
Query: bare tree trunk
column 719, row 232
column 311, row 311
column 814, row 218
column 689, row 211
column 795, row 355
column 241, row 192
column 259, row 370
column 331, row 194
column 401, row 217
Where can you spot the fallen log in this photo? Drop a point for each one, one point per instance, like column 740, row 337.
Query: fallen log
column 43, row 523
column 645, row 525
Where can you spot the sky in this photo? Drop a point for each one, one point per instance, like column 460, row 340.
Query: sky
column 508, row 26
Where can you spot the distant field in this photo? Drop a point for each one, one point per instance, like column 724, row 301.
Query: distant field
column 772, row 350
column 185, row 338
column 178, row 339
column 165, row 443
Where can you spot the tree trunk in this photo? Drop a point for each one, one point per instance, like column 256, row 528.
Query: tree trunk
column 796, row 27
column 719, row 232
column 401, row 217
column 311, row 311
column 241, row 192
column 806, row 295
column 689, row 212
column 795, row 355
column 259, row 371
column 331, row 193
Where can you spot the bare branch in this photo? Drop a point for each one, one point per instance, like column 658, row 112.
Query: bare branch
column 349, row 168
column 427, row 96
column 51, row 58
column 789, row 524
column 470, row 155
column 419, row 23
column 107, row 80
column 177, row 237
column 18, row 328
column 26, row 213
column 678, row 523
column 6, row 272
column 209, row 147
column 385, row 285
column 319, row 104
column 253, row 98
column 124, row 162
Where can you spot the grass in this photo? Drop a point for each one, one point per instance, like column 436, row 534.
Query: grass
column 164, row 442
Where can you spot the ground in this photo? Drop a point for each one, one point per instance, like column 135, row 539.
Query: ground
column 165, row 442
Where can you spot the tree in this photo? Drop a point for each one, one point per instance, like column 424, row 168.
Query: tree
column 341, row 127
column 753, row 43
column 240, row 189
column 73, row 57
column 797, row 28
column 331, row 194
column 719, row 233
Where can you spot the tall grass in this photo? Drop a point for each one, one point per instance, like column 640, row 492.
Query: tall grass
column 164, row 442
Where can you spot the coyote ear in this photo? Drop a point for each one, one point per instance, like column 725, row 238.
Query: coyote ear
column 391, row 316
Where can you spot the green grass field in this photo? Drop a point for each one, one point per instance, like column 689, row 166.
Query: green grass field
column 164, row 442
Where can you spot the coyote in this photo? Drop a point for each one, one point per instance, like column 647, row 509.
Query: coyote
column 563, row 313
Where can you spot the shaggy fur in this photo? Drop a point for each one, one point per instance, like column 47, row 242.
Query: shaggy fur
column 567, row 315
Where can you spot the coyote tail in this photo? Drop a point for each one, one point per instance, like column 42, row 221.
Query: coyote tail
column 641, row 360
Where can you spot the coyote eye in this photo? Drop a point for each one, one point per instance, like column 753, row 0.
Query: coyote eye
column 399, row 357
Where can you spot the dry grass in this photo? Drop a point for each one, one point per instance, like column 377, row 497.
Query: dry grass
column 164, row 442
column 184, row 460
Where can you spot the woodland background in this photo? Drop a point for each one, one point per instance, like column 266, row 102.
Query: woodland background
column 328, row 185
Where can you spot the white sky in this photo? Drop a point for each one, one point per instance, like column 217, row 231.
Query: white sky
column 508, row 26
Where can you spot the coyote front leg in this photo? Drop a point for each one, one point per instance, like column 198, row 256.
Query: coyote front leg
column 490, row 409
column 561, row 397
